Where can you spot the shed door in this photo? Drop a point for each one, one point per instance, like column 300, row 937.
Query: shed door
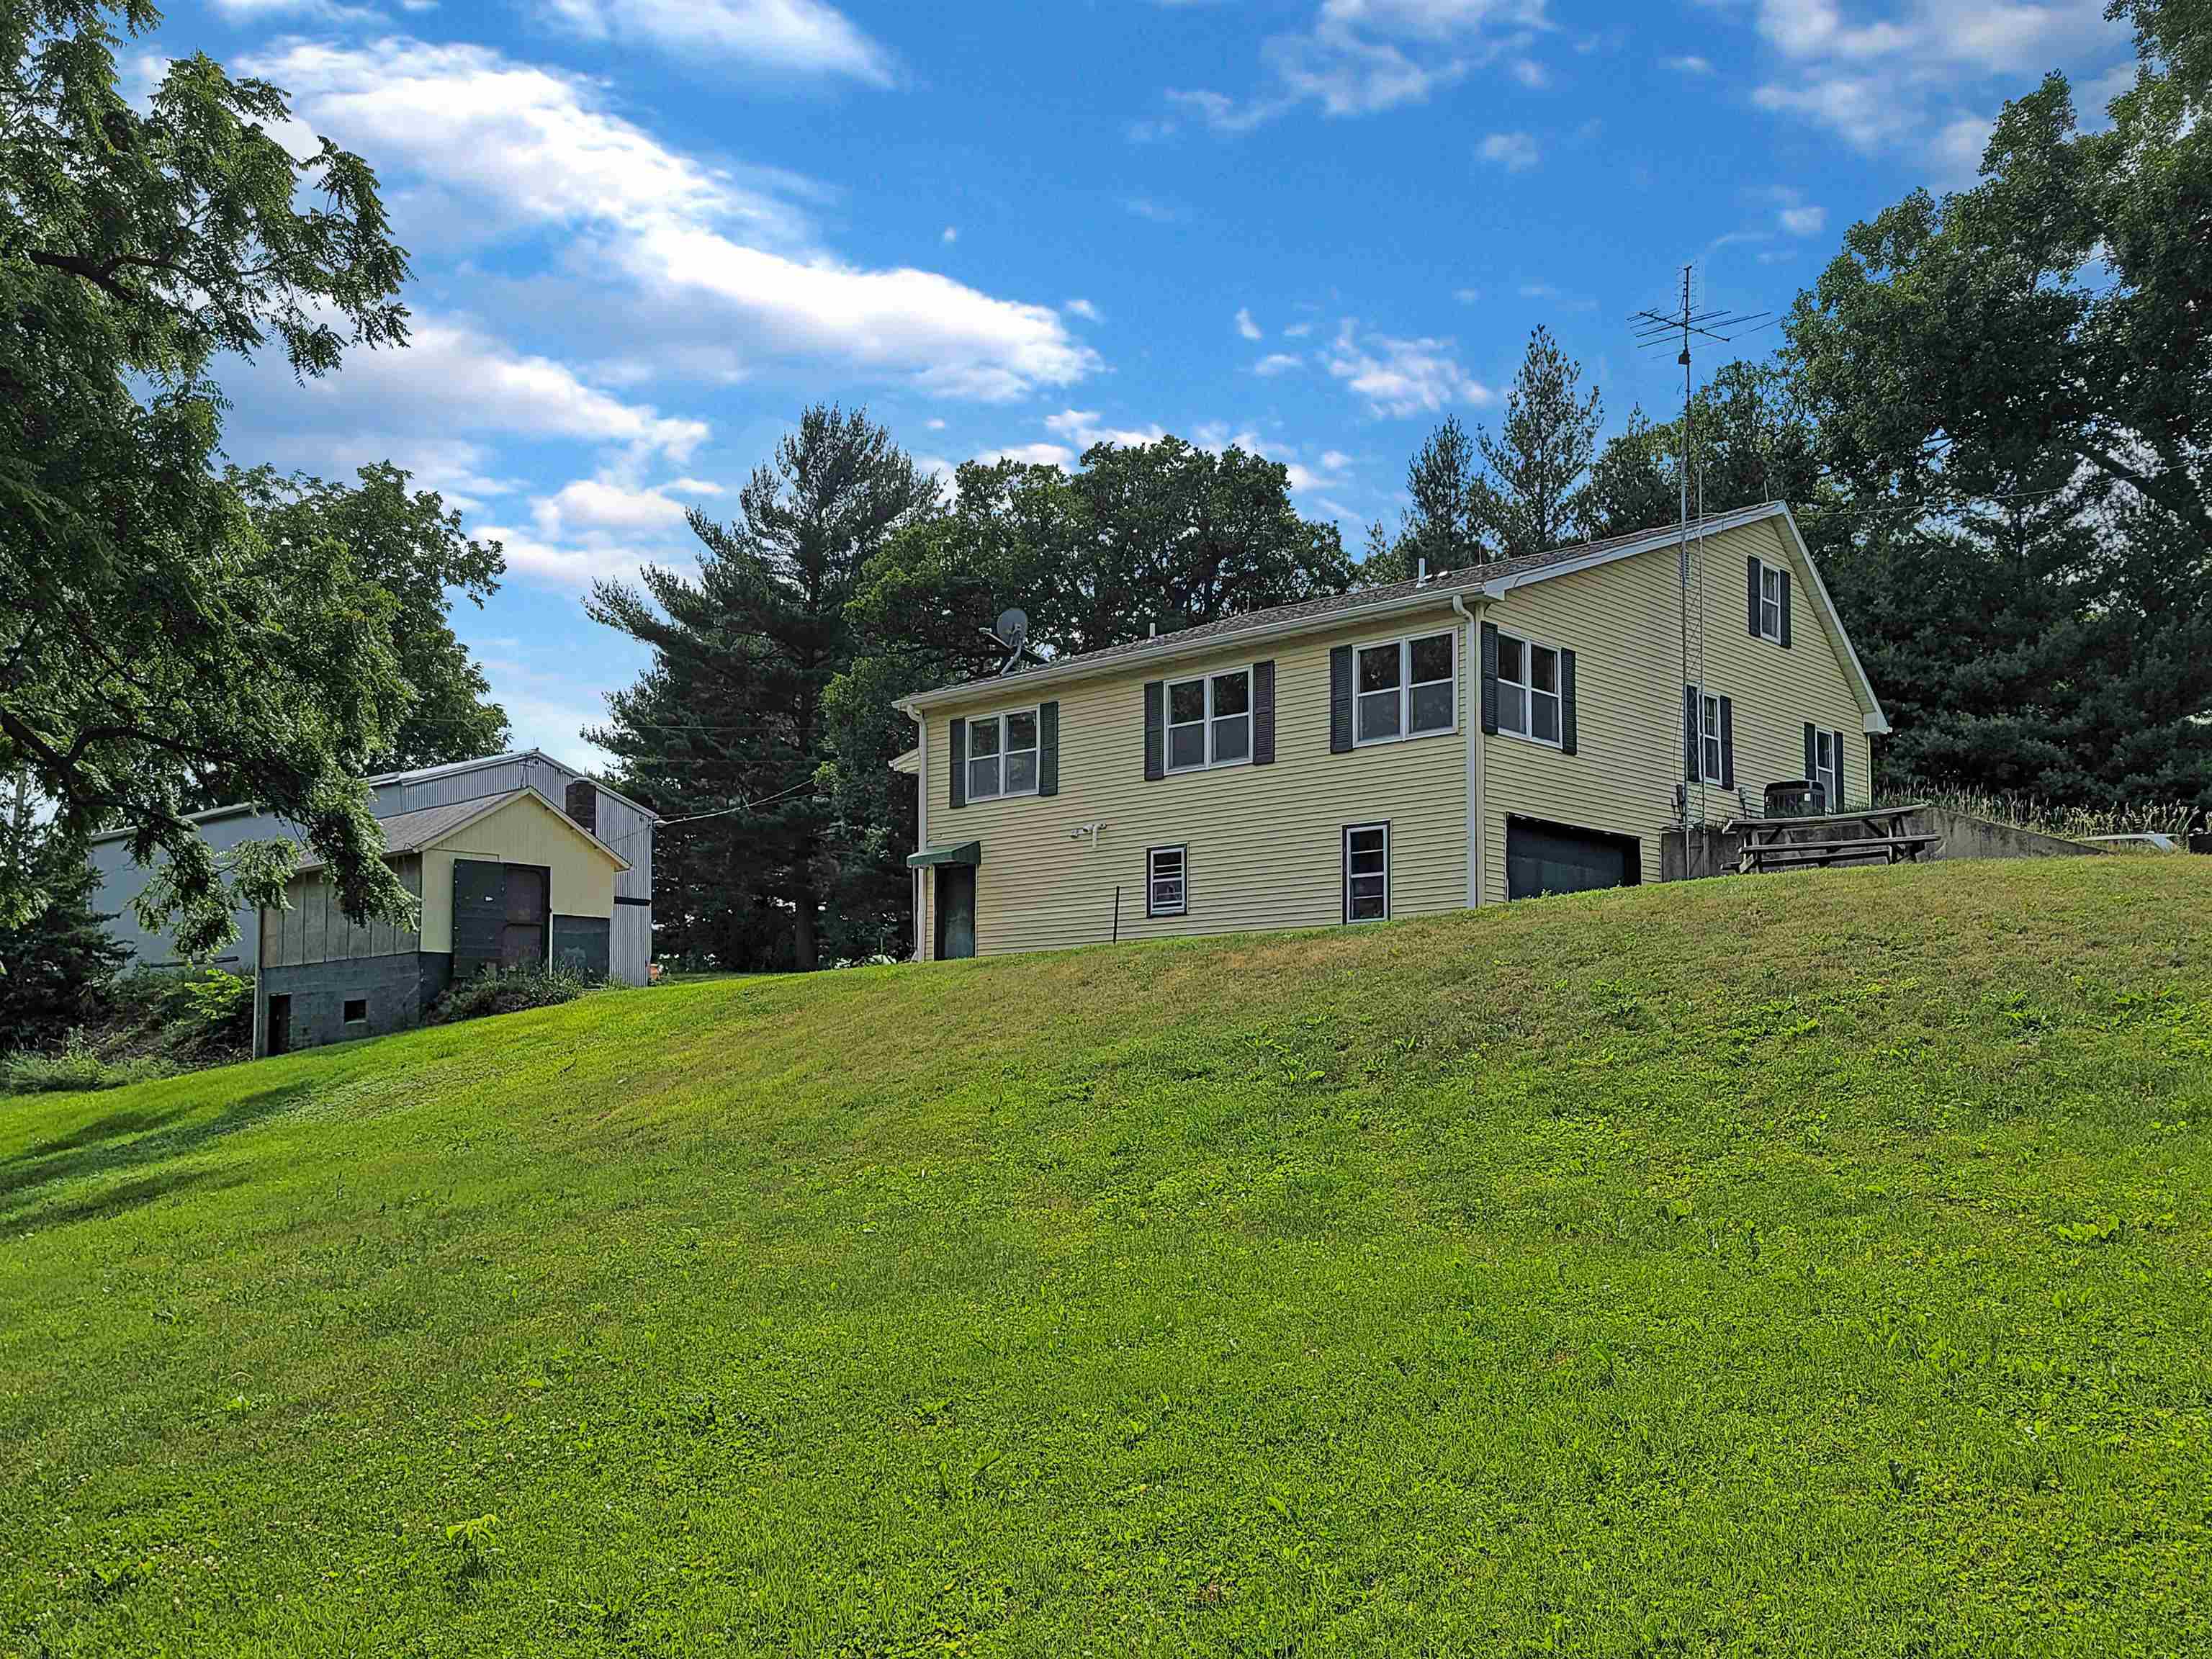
column 522, row 939
column 1558, row 858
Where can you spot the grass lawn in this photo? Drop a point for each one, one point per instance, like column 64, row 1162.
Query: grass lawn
column 1816, row 1264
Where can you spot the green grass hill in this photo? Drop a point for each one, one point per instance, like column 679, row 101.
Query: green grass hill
column 1813, row 1264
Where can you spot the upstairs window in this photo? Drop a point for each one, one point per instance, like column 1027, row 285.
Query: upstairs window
column 1527, row 689
column 1210, row 720
column 1770, row 602
column 1002, row 755
column 1406, row 687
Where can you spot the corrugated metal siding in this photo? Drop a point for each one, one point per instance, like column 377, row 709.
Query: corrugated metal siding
column 1623, row 622
column 1264, row 841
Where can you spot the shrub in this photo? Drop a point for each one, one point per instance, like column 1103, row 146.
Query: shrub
column 496, row 993
column 77, row 1066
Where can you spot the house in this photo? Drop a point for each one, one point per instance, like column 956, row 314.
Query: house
column 1533, row 726
column 622, row 824
column 506, row 881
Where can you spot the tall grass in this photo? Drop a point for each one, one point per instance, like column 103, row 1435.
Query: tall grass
column 2027, row 811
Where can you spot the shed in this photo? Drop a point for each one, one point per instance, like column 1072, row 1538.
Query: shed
column 506, row 881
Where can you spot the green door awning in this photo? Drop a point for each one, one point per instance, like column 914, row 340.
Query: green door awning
column 969, row 852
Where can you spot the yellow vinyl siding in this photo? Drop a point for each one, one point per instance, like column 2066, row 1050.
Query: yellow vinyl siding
column 1623, row 622
column 1263, row 841
column 524, row 831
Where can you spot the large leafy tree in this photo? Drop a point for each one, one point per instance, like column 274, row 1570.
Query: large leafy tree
column 2013, row 383
column 150, row 637
column 730, row 715
column 410, row 544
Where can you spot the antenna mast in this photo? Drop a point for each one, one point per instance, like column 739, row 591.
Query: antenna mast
column 1653, row 328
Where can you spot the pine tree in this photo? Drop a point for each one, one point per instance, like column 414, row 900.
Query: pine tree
column 56, row 969
column 731, row 714
column 1542, row 452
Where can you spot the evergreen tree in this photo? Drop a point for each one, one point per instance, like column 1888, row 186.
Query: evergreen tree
column 1541, row 454
column 731, row 714
column 56, row 969
column 1452, row 503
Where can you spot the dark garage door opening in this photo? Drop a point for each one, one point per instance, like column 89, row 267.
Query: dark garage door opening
column 1558, row 858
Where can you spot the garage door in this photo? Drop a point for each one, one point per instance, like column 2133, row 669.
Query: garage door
column 1558, row 858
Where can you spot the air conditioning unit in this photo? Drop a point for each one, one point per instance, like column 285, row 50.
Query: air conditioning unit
column 1796, row 798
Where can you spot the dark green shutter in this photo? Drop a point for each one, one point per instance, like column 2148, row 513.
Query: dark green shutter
column 1490, row 679
column 1751, row 583
column 1728, row 743
column 1785, row 609
column 479, row 913
column 1339, row 700
column 1567, row 703
column 1263, row 714
column 959, row 779
column 1812, row 755
column 1690, row 760
column 1155, row 719
column 1837, row 805
column 1048, row 749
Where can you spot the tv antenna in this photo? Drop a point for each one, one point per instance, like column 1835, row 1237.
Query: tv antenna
column 1690, row 319
column 1012, row 636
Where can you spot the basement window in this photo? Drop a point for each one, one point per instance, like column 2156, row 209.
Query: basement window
column 1167, row 891
column 1366, row 872
column 357, row 1011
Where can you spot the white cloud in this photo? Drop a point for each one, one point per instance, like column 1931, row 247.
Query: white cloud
column 1159, row 212
column 1804, row 221
column 1359, row 56
column 1084, row 309
column 1034, row 454
column 1278, row 363
column 1531, row 74
column 1880, row 82
column 321, row 11
column 1514, row 151
column 1468, row 296
column 1691, row 64
column 805, row 35
column 1400, row 377
column 1558, row 298
column 510, row 146
column 1245, row 325
column 1298, row 330
column 951, row 234
column 1081, row 428
column 1957, row 151
column 607, row 505
column 934, row 424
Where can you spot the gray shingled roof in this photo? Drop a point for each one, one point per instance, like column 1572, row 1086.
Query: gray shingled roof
column 410, row 832
column 1466, row 581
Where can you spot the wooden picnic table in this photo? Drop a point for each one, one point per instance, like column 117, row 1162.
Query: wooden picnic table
column 1861, row 835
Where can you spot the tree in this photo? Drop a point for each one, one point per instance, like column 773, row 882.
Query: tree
column 2039, row 338
column 731, row 714
column 1750, row 442
column 55, row 969
column 411, row 545
column 149, row 637
column 1538, row 460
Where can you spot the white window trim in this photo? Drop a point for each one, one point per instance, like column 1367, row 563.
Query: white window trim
column 1713, row 731
column 1405, row 733
column 1831, row 781
column 1530, row 643
column 999, row 717
column 1182, row 850
column 1167, row 723
column 1781, row 576
column 1344, row 853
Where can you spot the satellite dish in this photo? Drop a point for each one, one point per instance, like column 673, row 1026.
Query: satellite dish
column 1012, row 636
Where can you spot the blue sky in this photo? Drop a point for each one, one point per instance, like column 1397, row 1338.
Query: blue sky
column 645, row 234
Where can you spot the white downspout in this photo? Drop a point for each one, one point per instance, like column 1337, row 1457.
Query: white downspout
column 1475, row 835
